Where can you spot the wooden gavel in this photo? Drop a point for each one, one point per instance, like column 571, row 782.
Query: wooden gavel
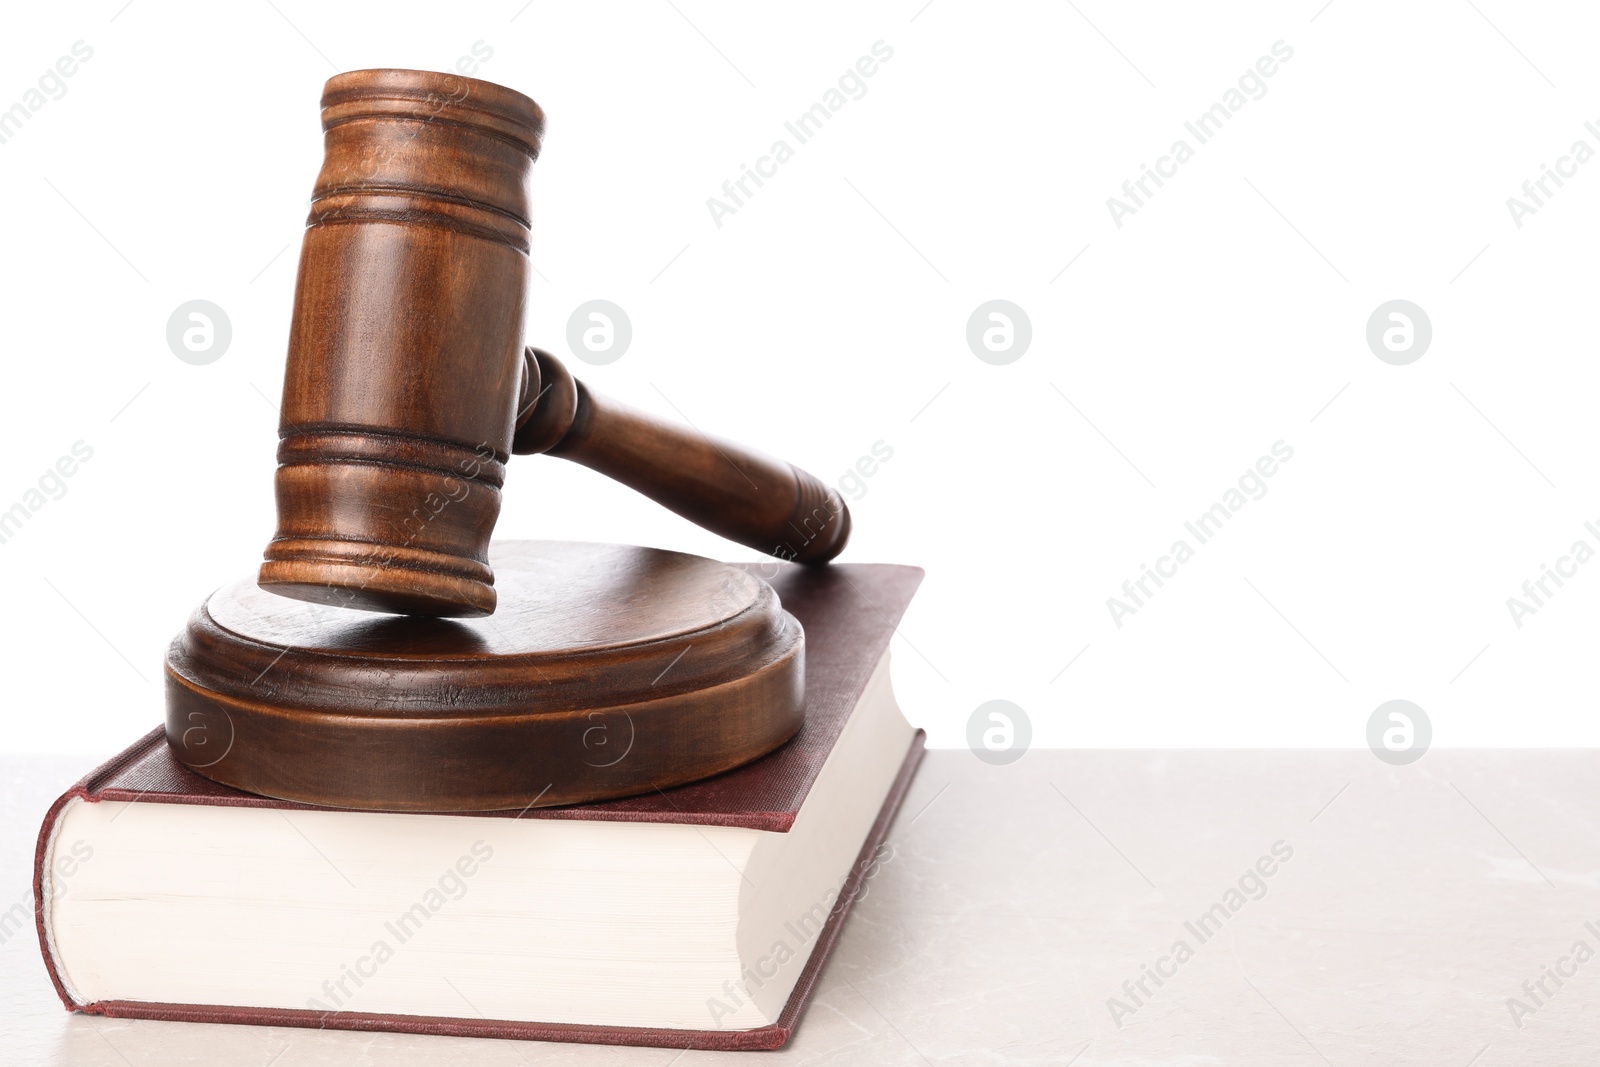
column 408, row 386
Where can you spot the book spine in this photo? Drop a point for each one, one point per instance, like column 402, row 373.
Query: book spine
column 42, row 894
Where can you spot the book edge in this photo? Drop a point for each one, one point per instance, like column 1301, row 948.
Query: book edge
column 772, row 1036
column 85, row 789
column 811, row 974
column 41, row 850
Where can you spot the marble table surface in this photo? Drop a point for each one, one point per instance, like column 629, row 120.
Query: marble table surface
column 1025, row 908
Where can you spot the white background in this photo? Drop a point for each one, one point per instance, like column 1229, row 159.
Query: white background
column 829, row 313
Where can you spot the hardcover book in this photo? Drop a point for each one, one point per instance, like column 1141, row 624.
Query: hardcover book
column 696, row 917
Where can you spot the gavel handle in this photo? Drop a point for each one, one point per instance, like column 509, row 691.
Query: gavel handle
column 760, row 502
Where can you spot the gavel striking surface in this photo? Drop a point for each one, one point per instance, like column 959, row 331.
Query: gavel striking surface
column 608, row 671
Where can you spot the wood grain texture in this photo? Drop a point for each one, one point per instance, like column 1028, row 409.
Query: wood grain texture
column 407, row 378
column 849, row 612
column 405, row 353
column 609, row 671
column 760, row 502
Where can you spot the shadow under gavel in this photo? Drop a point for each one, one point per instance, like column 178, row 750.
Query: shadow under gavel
column 408, row 386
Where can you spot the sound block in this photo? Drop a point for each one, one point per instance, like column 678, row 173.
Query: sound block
column 607, row 671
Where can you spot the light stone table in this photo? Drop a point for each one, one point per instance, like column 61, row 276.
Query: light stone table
column 1413, row 905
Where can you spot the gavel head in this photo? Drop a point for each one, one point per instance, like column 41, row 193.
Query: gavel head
column 405, row 369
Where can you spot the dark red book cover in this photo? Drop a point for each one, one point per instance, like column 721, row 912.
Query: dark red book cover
column 849, row 612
